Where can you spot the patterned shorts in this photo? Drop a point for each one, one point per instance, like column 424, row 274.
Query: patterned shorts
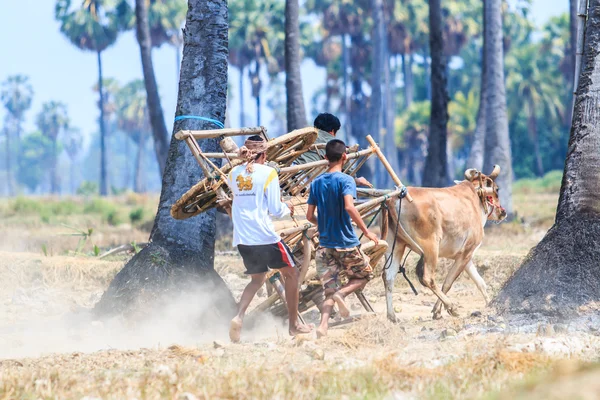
column 331, row 263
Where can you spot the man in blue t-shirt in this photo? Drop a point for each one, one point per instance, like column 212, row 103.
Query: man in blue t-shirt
column 333, row 194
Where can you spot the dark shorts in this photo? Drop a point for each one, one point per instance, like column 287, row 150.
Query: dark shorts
column 258, row 259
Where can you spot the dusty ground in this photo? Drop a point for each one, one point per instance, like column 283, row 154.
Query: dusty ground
column 50, row 347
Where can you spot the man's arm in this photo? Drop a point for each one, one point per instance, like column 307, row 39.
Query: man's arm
column 310, row 214
column 362, row 181
column 355, row 215
column 275, row 206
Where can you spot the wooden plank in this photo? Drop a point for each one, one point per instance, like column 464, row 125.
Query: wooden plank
column 215, row 133
column 387, row 165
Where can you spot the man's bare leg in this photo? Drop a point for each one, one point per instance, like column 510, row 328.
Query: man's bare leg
column 352, row 286
column 290, row 276
column 326, row 309
column 235, row 327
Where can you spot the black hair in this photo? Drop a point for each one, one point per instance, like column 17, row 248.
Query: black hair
column 334, row 149
column 327, row 122
column 257, row 138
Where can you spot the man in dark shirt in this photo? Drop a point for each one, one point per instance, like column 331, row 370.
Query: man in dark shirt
column 328, row 125
column 333, row 194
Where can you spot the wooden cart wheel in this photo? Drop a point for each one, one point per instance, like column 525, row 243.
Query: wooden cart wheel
column 283, row 150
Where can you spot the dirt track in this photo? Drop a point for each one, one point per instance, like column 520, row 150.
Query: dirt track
column 43, row 316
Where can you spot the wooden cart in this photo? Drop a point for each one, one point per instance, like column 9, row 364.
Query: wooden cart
column 299, row 234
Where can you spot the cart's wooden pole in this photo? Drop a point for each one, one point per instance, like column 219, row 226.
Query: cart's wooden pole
column 387, row 165
column 215, row 133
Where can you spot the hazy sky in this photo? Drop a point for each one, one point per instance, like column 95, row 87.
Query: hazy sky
column 31, row 44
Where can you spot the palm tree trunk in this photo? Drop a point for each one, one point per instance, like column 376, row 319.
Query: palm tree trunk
column 389, row 87
column 103, row 175
column 435, row 173
column 157, row 118
column 475, row 159
column 9, row 179
column 532, row 127
column 497, row 140
column 242, row 111
column 53, row 169
column 570, row 55
column 346, row 100
column 376, row 75
column 256, row 86
column 72, row 173
column 409, row 83
column 296, row 115
column 562, row 272
column 138, row 177
column 177, row 61
column 180, row 257
column 127, row 141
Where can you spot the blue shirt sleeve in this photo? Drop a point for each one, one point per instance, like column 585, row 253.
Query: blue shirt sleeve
column 312, row 200
column 349, row 187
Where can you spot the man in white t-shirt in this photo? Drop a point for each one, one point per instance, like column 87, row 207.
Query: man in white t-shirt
column 256, row 194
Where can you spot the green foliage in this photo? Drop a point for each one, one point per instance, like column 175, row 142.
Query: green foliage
column 549, row 183
column 108, row 210
column 136, row 215
column 36, row 155
column 87, row 188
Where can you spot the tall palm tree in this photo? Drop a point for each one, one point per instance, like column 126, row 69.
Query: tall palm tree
column 52, row 121
column 157, row 22
column 73, row 143
column 255, row 39
column 533, row 83
column 94, row 26
column 296, row 115
column 436, row 163
column 133, row 119
column 561, row 273
column 497, row 140
column 16, row 96
column 180, row 256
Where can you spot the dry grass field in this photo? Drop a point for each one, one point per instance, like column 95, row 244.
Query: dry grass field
column 50, row 347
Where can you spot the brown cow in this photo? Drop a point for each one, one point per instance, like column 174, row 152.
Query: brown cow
column 446, row 222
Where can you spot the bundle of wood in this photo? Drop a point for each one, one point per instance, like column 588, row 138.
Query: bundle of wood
column 295, row 179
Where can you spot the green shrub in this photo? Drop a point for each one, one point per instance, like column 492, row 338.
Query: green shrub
column 24, row 205
column 99, row 206
column 136, row 215
column 113, row 218
column 87, row 188
column 549, row 183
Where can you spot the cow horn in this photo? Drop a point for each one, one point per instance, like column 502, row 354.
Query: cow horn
column 471, row 174
column 495, row 172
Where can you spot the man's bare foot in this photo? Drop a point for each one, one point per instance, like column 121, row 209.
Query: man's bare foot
column 235, row 329
column 339, row 300
column 300, row 329
column 321, row 332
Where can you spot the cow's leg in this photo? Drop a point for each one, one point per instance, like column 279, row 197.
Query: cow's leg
column 389, row 277
column 479, row 282
column 457, row 268
column 426, row 273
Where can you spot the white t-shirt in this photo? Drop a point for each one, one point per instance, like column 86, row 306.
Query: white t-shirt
column 255, row 196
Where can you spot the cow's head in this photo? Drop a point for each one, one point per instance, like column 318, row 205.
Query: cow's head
column 486, row 188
